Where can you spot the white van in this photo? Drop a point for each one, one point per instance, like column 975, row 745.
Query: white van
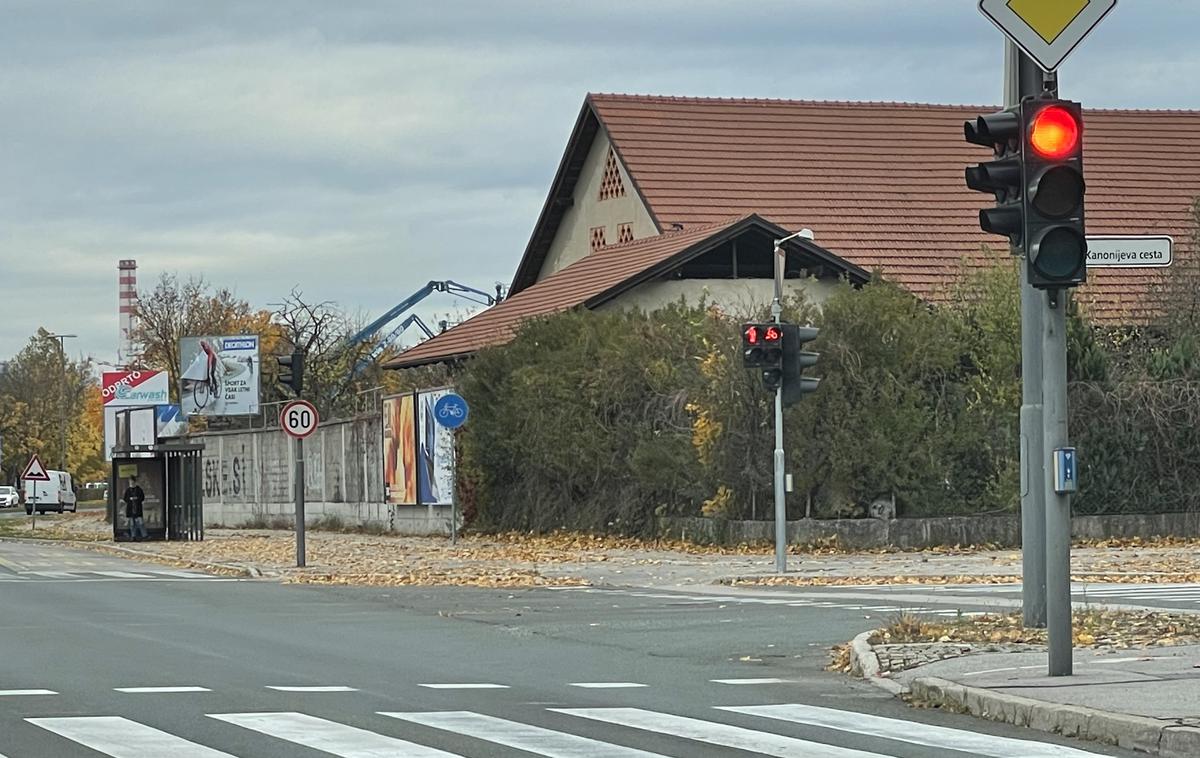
column 58, row 494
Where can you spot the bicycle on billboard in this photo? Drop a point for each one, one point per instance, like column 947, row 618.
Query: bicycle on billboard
column 208, row 371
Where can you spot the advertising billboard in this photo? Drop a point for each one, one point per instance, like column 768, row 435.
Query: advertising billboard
column 418, row 453
column 435, row 453
column 400, row 449
column 129, row 389
column 221, row 375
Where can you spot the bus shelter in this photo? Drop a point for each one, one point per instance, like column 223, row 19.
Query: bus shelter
column 169, row 473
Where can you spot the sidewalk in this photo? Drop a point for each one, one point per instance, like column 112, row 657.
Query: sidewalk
column 524, row 560
column 1145, row 699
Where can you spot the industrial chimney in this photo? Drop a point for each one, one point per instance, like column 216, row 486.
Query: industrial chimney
column 127, row 352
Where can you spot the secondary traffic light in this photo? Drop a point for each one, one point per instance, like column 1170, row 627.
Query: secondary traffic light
column 796, row 360
column 1055, row 239
column 291, row 370
column 1002, row 177
column 762, row 347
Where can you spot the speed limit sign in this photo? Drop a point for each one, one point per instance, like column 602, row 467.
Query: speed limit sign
column 299, row 419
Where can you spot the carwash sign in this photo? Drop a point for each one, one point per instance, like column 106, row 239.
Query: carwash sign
column 129, row 388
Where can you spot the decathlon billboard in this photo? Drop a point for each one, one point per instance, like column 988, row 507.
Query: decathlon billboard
column 221, row 375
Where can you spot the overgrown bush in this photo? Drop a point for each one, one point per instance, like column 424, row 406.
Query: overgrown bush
column 605, row 420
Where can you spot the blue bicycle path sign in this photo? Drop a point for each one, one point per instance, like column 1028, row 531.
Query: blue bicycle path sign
column 451, row 411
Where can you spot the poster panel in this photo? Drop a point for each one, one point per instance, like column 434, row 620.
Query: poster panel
column 400, row 449
column 125, row 389
column 221, row 375
column 435, row 453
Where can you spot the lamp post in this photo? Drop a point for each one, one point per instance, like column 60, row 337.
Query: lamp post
column 62, row 362
column 780, row 497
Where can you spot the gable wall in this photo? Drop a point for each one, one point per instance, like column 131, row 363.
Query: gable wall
column 736, row 297
column 572, row 241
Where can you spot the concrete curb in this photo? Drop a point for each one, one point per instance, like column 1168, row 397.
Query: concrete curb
column 865, row 663
column 1139, row 733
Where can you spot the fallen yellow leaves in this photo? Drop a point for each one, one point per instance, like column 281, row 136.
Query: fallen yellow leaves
column 1091, row 628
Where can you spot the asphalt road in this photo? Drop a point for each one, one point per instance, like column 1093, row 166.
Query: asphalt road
column 105, row 656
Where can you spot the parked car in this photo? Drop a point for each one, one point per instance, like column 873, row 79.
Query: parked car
column 9, row 497
column 58, row 494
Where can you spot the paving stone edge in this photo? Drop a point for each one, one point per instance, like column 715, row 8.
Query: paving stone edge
column 1147, row 735
column 1139, row 733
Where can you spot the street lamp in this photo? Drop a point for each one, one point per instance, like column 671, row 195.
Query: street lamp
column 780, row 498
column 62, row 361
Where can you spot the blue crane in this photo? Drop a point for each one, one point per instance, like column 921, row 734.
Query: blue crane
column 373, row 328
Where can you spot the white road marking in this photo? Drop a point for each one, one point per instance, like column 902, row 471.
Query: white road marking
column 715, row 733
column 466, row 686
column 121, row 738
column 22, row 693
column 333, row 688
column 120, row 574
column 1144, row 659
column 926, row 735
column 764, row 680
column 605, row 685
column 156, row 690
column 329, row 736
column 531, row 739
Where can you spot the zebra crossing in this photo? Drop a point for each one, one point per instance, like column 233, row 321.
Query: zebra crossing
column 101, row 575
column 788, row 730
column 1133, row 594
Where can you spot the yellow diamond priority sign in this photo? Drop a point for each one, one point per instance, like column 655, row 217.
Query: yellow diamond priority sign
column 1047, row 30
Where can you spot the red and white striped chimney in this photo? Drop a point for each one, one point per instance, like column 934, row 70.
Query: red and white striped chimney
column 127, row 352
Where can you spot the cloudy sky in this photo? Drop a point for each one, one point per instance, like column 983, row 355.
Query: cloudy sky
column 360, row 148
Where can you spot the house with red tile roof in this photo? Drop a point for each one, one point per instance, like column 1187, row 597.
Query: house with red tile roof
column 660, row 197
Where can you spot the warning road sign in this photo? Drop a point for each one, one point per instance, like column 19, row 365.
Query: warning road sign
column 1047, row 30
column 35, row 471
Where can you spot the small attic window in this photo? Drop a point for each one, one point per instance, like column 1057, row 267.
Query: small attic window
column 624, row 233
column 597, row 241
column 611, row 185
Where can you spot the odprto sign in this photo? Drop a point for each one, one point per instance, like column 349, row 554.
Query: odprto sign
column 221, row 375
column 129, row 389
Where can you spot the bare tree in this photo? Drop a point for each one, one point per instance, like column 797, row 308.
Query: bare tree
column 334, row 369
column 189, row 308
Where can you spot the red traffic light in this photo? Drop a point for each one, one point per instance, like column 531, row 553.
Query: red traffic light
column 772, row 334
column 750, row 334
column 1054, row 133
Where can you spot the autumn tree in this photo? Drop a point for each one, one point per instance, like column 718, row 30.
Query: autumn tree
column 178, row 308
column 39, row 388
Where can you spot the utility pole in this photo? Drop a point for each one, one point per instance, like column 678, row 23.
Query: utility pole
column 1022, row 78
column 62, row 404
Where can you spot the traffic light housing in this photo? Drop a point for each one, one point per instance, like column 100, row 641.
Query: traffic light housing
column 762, row 348
column 1037, row 180
column 1001, row 177
column 291, row 370
column 795, row 360
column 1055, row 235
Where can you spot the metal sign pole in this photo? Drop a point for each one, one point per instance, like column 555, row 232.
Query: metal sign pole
column 1058, row 505
column 1023, row 78
column 300, row 502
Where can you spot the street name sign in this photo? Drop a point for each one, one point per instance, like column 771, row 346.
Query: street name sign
column 299, row 419
column 35, row 471
column 1047, row 30
column 1129, row 251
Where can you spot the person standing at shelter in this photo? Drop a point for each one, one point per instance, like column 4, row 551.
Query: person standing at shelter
column 134, row 497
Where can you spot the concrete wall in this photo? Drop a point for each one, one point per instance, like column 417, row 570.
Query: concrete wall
column 248, row 476
column 737, row 297
column 572, row 241
column 1004, row 531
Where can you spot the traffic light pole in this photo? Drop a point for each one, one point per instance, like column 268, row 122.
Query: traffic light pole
column 1058, row 505
column 780, row 497
column 300, row 502
column 1022, row 77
